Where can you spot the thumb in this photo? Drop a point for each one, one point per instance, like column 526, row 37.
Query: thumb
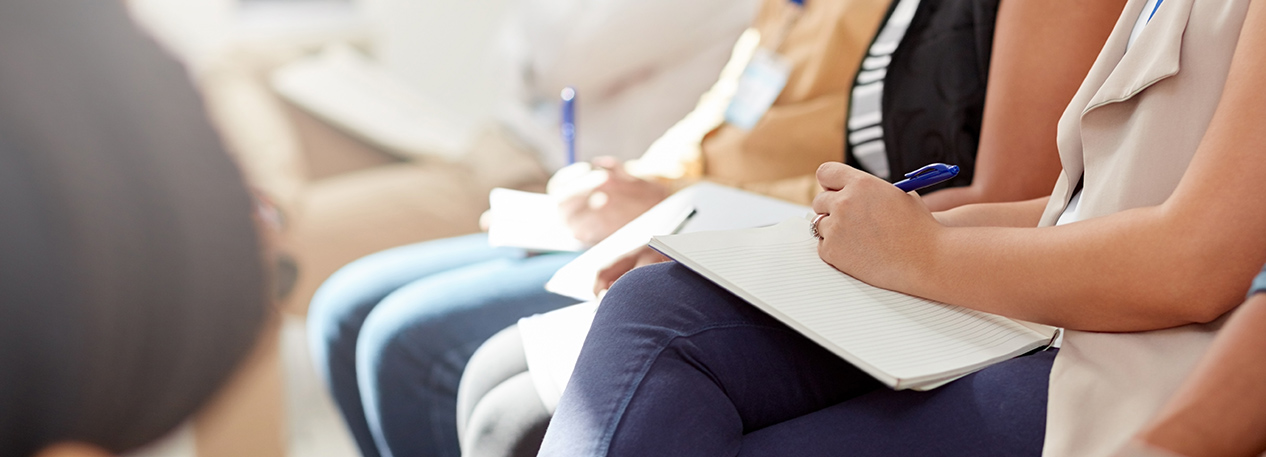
column 615, row 169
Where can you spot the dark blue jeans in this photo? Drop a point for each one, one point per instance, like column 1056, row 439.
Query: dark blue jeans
column 675, row 365
column 392, row 332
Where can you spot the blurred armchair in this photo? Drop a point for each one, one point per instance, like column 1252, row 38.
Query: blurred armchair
column 482, row 77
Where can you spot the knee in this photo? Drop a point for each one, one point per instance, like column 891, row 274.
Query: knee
column 636, row 290
column 509, row 421
column 331, row 322
column 334, row 319
column 650, row 282
column 340, row 306
column 387, row 345
column 665, row 294
column 407, row 343
column 496, row 360
column 345, row 296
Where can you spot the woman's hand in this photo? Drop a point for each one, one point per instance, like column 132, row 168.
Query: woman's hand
column 633, row 259
column 872, row 231
column 595, row 212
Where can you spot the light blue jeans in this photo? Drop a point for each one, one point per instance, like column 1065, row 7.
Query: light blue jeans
column 392, row 332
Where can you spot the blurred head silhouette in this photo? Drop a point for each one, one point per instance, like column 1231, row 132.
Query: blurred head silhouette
column 131, row 283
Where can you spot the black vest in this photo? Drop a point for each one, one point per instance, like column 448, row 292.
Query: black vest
column 934, row 90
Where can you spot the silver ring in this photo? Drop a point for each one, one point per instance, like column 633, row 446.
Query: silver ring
column 813, row 227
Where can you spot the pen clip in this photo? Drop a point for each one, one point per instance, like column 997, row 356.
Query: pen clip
column 930, row 175
column 928, row 169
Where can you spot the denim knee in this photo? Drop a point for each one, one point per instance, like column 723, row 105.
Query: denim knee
column 638, row 290
column 335, row 316
column 394, row 351
column 343, row 302
column 671, row 297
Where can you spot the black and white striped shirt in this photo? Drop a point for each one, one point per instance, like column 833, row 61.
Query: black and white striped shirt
column 865, row 132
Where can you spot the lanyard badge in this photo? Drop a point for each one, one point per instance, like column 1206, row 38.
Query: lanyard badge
column 765, row 77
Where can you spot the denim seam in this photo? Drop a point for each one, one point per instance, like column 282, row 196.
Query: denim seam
column 605, row 445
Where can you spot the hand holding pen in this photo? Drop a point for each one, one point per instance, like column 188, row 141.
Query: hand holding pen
column 597, row 197
column 872, row 229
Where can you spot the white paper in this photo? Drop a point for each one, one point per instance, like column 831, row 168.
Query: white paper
column 552, row 341
column 715, row 207
column 551, row 344
column 528, row 220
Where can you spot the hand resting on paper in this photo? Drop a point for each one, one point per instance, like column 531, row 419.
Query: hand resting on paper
column 596, row 203
column 873, row 231
column 639, row 257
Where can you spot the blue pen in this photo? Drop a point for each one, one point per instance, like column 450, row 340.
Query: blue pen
column 930, row 175
column 569, row 123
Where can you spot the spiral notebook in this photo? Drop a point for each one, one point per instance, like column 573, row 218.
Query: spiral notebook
column 904, row 341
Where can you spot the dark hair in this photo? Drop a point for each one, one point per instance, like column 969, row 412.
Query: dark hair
column 131, row 281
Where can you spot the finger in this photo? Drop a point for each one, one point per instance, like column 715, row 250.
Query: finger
column 605, row 162
column 619, row 173
column 824, row 227
column 603, row 283
column 822, row 203
column 573, row 204
column 826, row 244
column 612, row 184
column 618, row 179
column 830, row 203
column 485, row 220
column 609, row 274
column 650, row 257
column 835, row 175
column 569, row 173
column 598, row 199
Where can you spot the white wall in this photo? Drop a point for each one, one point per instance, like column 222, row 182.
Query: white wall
column 454, row 54
column 198, row 29
column 443, row 49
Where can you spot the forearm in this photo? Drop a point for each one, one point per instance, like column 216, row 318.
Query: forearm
column 1187, row 260
column 1137, row 270
column 1010, row 214
column 1041, row 53
column 1221, row 409
column 946, row 199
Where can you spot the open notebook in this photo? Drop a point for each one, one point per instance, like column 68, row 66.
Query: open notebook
column 904, row 341
column 714, row 207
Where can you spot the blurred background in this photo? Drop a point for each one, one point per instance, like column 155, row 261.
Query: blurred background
column 369, row 124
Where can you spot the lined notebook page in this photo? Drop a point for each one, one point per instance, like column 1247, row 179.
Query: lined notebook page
column 903, row 337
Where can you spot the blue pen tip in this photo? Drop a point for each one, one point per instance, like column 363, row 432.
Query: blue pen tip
column 569, row 93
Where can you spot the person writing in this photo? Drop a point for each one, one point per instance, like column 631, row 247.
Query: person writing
column 1149, row 236
column 503, row 407
column 391, row 333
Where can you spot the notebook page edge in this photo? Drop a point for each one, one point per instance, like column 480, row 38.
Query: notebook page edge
column 988, row 356
column 665, row 248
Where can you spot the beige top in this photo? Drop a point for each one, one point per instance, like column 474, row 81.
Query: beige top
column 1132, row 129
column 804, row 127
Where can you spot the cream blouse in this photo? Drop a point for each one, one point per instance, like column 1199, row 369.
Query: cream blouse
column 1130, row 133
